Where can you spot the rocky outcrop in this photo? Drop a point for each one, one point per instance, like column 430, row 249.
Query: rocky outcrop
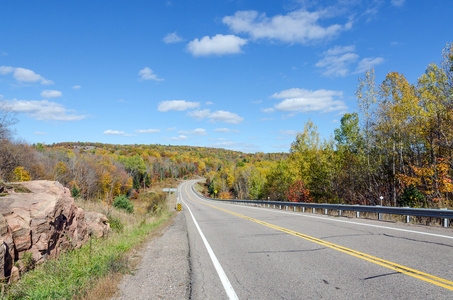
column 38, row 220
column 97, row 224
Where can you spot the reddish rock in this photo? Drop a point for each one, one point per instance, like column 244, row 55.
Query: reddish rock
column 40, row 217
column 97, row 224
column 15, row 274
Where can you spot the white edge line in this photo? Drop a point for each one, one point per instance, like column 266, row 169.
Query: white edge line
column 223, row 277
column 350, row 222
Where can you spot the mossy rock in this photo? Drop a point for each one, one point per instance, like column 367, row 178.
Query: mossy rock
column 17, row 187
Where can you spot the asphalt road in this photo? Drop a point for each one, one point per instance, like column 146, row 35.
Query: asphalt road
column 242, row 252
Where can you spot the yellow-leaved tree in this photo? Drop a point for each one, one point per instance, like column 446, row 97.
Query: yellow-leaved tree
column 20, row 174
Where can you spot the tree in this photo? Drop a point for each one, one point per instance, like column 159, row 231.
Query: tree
column 308, row 159
column 278, row 181
column 20, row 174
column 7, row 119
column 348, row 136
column 297, row 192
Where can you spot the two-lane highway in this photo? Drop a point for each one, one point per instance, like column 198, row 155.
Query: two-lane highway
column 242, row 252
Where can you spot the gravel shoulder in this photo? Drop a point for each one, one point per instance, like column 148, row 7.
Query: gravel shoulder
column 164, row 271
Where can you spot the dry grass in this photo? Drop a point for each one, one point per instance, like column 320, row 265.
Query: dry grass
column 94, row 271
column 107, row 286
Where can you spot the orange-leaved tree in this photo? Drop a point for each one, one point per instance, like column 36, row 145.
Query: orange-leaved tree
column 297, row 192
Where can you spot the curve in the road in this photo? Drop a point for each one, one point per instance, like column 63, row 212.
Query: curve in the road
column 396, row 267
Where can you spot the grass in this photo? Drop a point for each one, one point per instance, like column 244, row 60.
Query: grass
column 88, row 272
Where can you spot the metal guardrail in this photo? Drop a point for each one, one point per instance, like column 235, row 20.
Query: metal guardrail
column 444, row 214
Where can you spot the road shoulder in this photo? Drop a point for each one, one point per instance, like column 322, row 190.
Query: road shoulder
column 164, row 271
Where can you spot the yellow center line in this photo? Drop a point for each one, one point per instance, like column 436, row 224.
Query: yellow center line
column 388, row 264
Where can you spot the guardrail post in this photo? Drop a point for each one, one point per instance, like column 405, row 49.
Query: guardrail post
column 303, row 209
column 357, row 214
column 280, row 207
column 408, row 219
column 286, row 207
column 294, row 208
column 314, row 211
column 339, row 212
column 379, row 216
column 446, row 222
column 274, row 206
column 325, row 211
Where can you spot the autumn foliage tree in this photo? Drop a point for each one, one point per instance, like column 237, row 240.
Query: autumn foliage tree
column 297, row 192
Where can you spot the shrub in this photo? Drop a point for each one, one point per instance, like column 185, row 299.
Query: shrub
column 122, row 202
column 115, row 224
column 75, row 192
column 411, row 197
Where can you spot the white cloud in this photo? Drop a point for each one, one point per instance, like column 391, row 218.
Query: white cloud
column 148, row 74
column 172, row 38
column 226, row 116
column 51, row 94
column 116, row 132
column 24, row 75
column 4, row 70
column 199, row 114
column 339, row 60
column 40, row 133
column 217, row 45
column 303, row 101
column 76, row 87
column 217, row 116
column 268, row 110
column 299, row 26
column 179, row 138
column 198, row 131
column 209, row 103
column 226, row 130
column 288, row 132
column 147, row 130
column 398, row 3
column 171, row 129
column 113, row 132
column 45, row 110
column 283, row 146
column 236, row 146
column 178, row 105
column 368, row 63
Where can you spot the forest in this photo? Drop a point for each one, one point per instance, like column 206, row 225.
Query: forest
column 398, row 144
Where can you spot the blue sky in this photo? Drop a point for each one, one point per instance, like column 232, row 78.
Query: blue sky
column 242, row 75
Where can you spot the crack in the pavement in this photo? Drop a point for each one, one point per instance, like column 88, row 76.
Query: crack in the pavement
column 418, row 241
column 382, row 275
column 287, row 251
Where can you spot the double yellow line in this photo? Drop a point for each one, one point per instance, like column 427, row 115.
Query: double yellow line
column 388, row 264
